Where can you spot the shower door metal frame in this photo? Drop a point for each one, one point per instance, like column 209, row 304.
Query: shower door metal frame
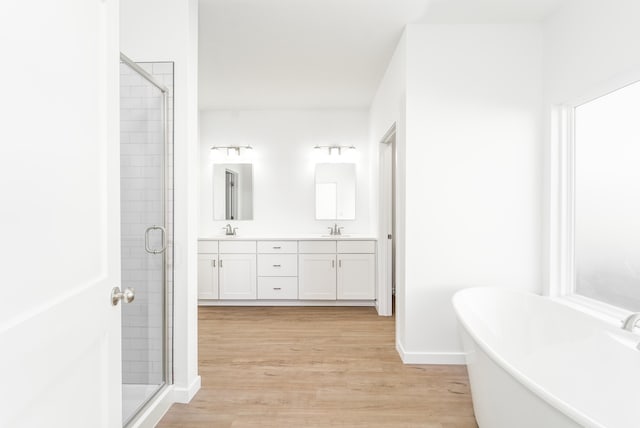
column 166, row 345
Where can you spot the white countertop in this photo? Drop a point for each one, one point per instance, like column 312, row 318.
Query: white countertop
column 318, row 237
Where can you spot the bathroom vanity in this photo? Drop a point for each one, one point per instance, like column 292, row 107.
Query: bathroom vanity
column 294, row 271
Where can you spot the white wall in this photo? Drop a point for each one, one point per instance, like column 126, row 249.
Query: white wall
column 284, row 165
column 167, row 30
column 590, row 47
column 471, row 160
column 388, row 101
column 388, row 109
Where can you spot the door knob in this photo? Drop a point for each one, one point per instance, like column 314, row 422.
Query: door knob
column 127, row 295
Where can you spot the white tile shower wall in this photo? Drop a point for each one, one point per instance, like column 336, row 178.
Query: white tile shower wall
column 141, row 193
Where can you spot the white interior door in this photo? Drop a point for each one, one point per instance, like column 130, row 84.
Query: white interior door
column 59, row 180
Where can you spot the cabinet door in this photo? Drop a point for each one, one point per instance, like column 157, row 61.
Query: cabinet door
column 207, row 276
column 356, row 277
column 317, row 277
column 237, row 273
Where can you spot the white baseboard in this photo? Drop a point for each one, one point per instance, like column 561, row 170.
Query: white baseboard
column 150, row 416
column 331, row 303
column 184, row 395
column 452, row 358
column 383, row 312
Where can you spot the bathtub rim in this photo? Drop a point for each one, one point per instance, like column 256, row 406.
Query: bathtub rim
column 575, row 414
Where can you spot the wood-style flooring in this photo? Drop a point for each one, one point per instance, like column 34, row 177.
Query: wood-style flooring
column 315, row 367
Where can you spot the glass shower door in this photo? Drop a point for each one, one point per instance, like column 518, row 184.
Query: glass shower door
column 143, row 155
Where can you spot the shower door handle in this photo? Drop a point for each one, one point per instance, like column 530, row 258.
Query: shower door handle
column 146, row 240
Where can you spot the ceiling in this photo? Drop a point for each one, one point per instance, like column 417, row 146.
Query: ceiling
column 297, row 53
column 292, row 54
column 489, row 11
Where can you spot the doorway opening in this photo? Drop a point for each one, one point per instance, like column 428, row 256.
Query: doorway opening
column 231, row 194
column 387, row 223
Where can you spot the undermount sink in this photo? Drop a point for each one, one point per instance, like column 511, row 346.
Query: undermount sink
column 335, row 236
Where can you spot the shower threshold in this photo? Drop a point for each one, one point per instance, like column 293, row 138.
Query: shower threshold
column 134, row 398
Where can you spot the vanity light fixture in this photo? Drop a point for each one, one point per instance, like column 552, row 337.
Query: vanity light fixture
column 335, row 149
column 232, row 150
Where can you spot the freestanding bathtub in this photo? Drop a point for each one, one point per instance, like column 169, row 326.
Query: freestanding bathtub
column 537, row 363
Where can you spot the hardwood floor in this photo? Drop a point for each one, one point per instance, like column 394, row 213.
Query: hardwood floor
column 315, row 367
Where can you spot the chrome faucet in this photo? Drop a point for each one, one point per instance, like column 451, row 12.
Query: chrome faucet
column 230, row 231
column 630, row 322
column 335, row 230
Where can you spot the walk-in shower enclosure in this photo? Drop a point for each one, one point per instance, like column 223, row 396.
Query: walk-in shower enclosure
column 146, row 189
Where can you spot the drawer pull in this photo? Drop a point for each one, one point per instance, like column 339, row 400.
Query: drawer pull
column 277, row 288
column 276, row 265
column 213, row 263
column 276, row 248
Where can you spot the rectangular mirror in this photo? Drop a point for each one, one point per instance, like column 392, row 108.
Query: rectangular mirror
column 233, row 191
column 335, row 191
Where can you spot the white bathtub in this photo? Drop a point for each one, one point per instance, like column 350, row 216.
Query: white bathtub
column 536, row 363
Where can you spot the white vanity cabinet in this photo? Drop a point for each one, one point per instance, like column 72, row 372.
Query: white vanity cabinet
column 356, row 270
column 317, row 270
column 208, row 276
column 237, row 277
column 287, row 272
column 356, row 277
column 337, row 270
column 317, row 279
column 277, row 270
column 237, row 270
column 208, row 270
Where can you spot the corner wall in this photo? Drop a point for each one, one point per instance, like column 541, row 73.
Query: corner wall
column 474, row 104
column 469, row 175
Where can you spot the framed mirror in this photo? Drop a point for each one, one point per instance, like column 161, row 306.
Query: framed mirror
column 233, row 191
column 335, row 191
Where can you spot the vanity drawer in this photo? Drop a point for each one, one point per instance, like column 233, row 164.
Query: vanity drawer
column 285, row 247
column 237, row 247
column 317, row 247
column 277, row 265
column 274, row 287
column 210, row 247
column 356, row 247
